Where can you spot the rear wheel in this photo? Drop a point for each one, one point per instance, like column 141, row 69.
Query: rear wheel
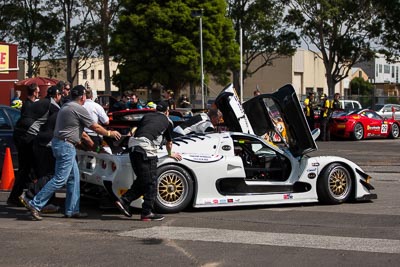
column 174, row 189
column 358, row 132
column 334, row 186
column 394, row 133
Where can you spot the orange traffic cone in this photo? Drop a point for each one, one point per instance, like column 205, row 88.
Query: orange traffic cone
column 7, row 175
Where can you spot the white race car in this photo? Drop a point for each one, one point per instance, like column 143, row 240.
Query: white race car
column 241, row 167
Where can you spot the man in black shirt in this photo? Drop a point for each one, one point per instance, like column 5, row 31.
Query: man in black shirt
column 34, row 114
column 143, row 148
column 65, row 88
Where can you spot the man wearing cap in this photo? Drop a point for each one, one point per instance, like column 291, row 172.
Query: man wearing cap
column 68, row 132
column 325, row 115
column 143, row 148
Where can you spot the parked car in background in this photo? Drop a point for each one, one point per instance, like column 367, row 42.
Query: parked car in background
column 362, row 124
column 350, row 104
column 8, row 119
column 388, row 110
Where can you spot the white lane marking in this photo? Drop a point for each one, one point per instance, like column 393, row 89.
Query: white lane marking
column 268, row 239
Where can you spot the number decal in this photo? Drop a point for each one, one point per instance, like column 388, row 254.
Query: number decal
column 384, row 128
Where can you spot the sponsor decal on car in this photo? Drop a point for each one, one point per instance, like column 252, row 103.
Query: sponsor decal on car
column 340, row 126
column 287, row 196
column 373, row 128
column 201, row 157
column 384, row 128
column 220, row 201
column 312, row 175
column 226, row 147
column 312, row 170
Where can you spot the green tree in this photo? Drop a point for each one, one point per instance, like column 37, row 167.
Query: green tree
column 33, row 28
column 265, row 34
column 103, row 14
column 158, row 42
column 388, row 11
column 75, row 44
column 8, row 19
column 359, row 86
column 341, row 30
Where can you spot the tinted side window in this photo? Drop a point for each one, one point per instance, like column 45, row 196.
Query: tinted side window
column 14, row 115
column 5, row 123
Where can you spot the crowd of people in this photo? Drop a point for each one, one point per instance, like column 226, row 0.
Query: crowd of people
column 326, row 107
column 45, row 136
column 50, row 129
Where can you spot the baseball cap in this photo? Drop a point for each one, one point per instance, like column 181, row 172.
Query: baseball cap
column 53, row 91
column 162, row 106
column 78, row 90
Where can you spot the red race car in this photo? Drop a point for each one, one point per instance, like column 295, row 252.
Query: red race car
column 364, row 123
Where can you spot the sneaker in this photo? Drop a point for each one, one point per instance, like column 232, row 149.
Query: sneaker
column 50, row 208
column 34, row 212
column 151, row 217
column 123, row 207
column 78, row 215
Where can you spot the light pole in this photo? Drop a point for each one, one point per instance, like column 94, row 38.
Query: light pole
column 199, row 14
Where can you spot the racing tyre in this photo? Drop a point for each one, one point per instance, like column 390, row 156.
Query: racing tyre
column 394, row 133
column 335, row 185
column 174, row 189
column 358, row 132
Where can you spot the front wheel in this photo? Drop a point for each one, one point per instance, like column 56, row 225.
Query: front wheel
column 394, row 133
column 334, row 186
column 174, row 189
column 358, row 132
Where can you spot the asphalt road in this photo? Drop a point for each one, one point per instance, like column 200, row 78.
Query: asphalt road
column 354, row 234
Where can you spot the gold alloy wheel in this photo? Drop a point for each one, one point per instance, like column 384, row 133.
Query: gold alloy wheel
column 172, row 188
column 339, row 182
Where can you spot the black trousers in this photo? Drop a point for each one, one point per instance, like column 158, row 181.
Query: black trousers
column 145, row 184
column 325, row 131
column 311, row 122
column 25, row 165
column 44, row 160
column 44, row 166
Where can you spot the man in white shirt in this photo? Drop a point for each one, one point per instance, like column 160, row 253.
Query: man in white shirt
column 97, row 114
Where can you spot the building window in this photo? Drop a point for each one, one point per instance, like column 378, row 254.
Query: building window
column 114, row 72
column 397, row 74
column 100, row 74
column 92, row 74
column 84, row 74
column 376, row 70
column 393, row 72
column 386, row 69
column 380, row 68
column 360, row 74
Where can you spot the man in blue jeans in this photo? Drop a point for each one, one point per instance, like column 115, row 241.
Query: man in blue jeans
column 68, row 132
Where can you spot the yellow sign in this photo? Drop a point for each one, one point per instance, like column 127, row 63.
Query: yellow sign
column 4, row 58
